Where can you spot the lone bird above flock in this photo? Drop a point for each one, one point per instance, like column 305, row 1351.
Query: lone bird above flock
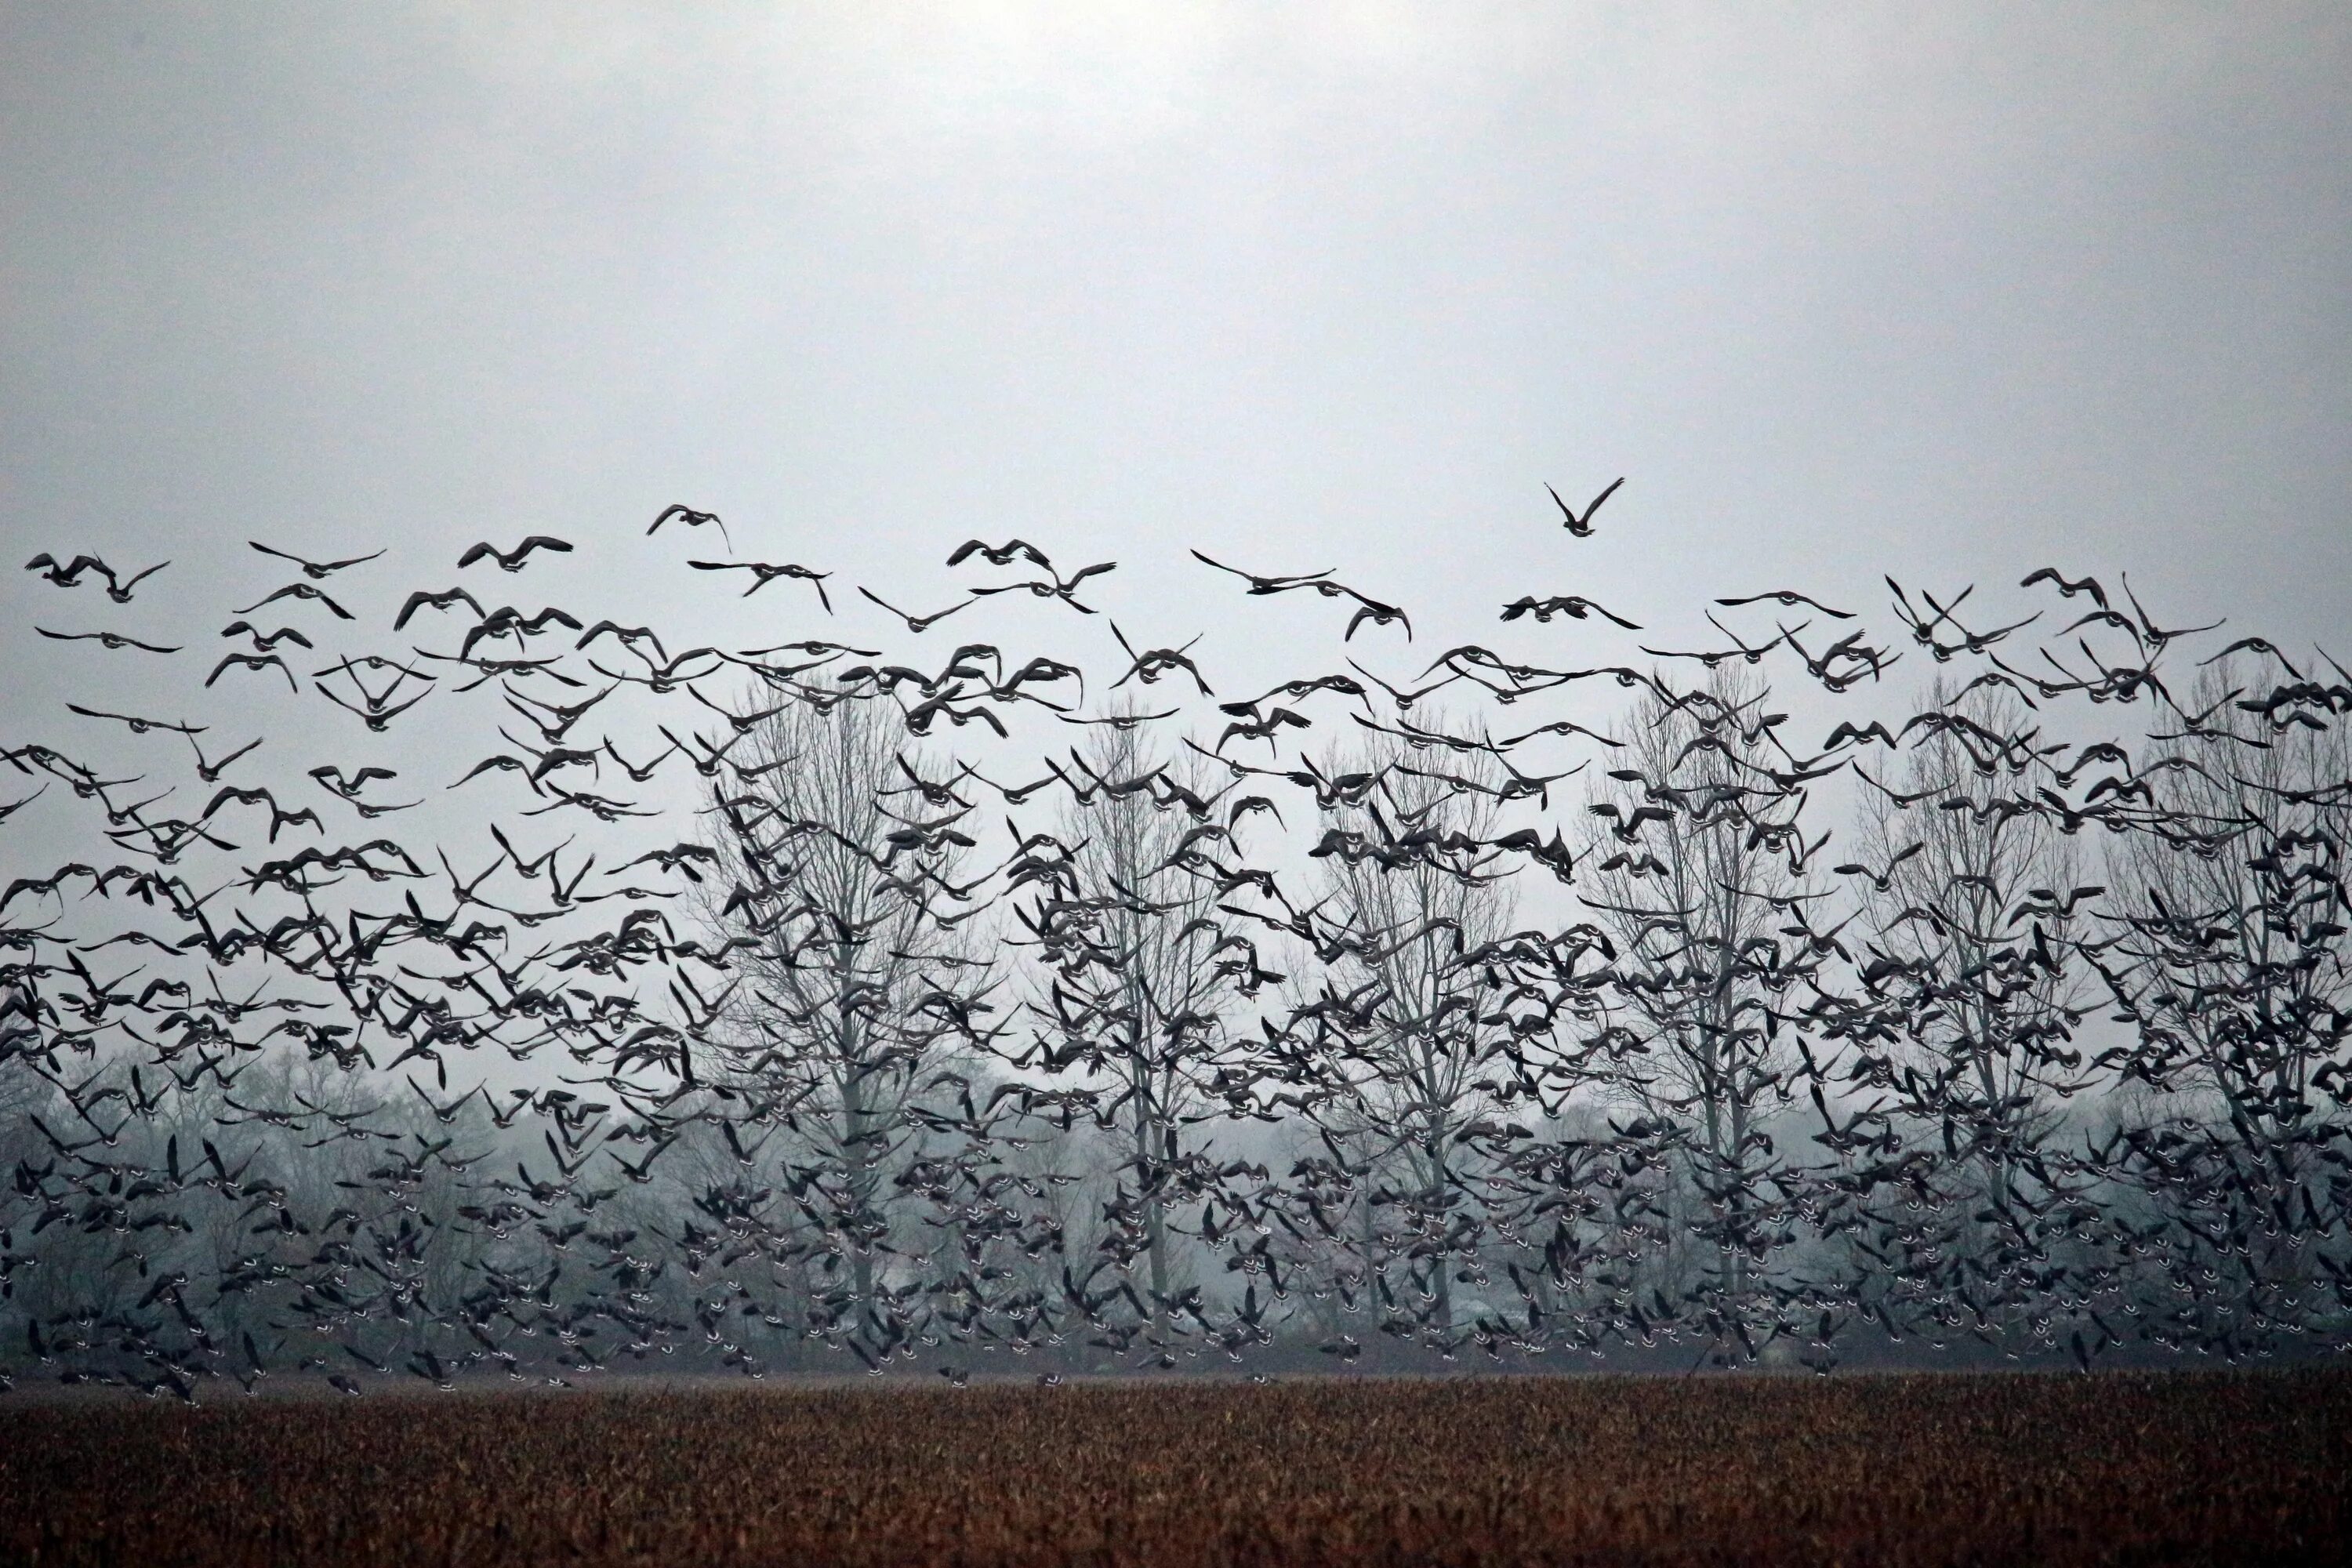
column 1581, row 527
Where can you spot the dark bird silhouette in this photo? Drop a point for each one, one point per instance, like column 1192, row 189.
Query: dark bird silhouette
column 1570, row 605
column 1403, row 699
column 1581, row 527
column 507, row 621
column 348, row 787
column 104, row 639
column 1369, row 609
column 1002, row 554
column 253, row 661
column 211, row 772
column 376, row 717
column 513, row 560
column 691, row 518
column 317, row 570
column 440, row 600
column 264, row 641
column 767, row 573
column 2254, row 645
column 1149, row 666
column 916, row 623
column 628, row 637
column 1260, row 586
column 2157, row 636
column 278, row 815
column 2086, row 586
column 1057, row 589
column 69, row 576
column 1372, row 610
column 1786, row 598
column 137, row 726
column 299, row 591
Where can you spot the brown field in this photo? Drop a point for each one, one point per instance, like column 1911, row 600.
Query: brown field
column 2120, row 1467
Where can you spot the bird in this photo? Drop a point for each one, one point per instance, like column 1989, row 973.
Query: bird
column 376, row 716
column 443, row 600
column 1057, row 589
column 210, row 772
column 1369, row 609
column 2086, row 586
column 1262, row 585
column 253, row 661
column 1581, row 527
column 691, row 518
column 515, row 559
column 765, row 573
column 2254, row 645
column 1149, row 666
column 104, row 639
column 137, row 726
column 299, row 591
column 278, row 815
column 317, row 570
column 1002, row 554
column 69, row 576
column 348, row 786
column 1786, row 598
column 916, row 624
column 264, row 641
column 1570, row 605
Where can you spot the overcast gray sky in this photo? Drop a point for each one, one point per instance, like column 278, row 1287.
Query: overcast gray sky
column 1948, row 292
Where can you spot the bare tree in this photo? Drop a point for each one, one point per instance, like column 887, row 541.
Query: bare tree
column 2233, row 966
column 1143, row 974
column 1973, row 902
column 864, row 977
column 1697, row 871
column 1412, row 889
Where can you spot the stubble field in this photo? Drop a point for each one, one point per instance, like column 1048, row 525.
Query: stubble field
column 2120, row 1467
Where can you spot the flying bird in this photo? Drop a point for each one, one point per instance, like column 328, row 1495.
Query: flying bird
column 691, row 518
column 211, row 772
column 767, row 573
column 440, row 600
column 1057, row 589
column 916, row 624
column 253, row 661
column 1581, row 527
column 1002, row 554
column 69, row 574
column 137, row 726
column 299, row 591
column 1260, row 586
column 513, row 560
column 104, row 639
column 317, row 570
column 1574, row 606
column 2086, row 585
column 1151, row 665
column 264, row 641
column 1786, row 598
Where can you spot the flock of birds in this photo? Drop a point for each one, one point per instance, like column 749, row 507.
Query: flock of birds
column 1338, row 1021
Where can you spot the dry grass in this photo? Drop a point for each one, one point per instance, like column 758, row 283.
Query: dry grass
column 1895, row 1469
